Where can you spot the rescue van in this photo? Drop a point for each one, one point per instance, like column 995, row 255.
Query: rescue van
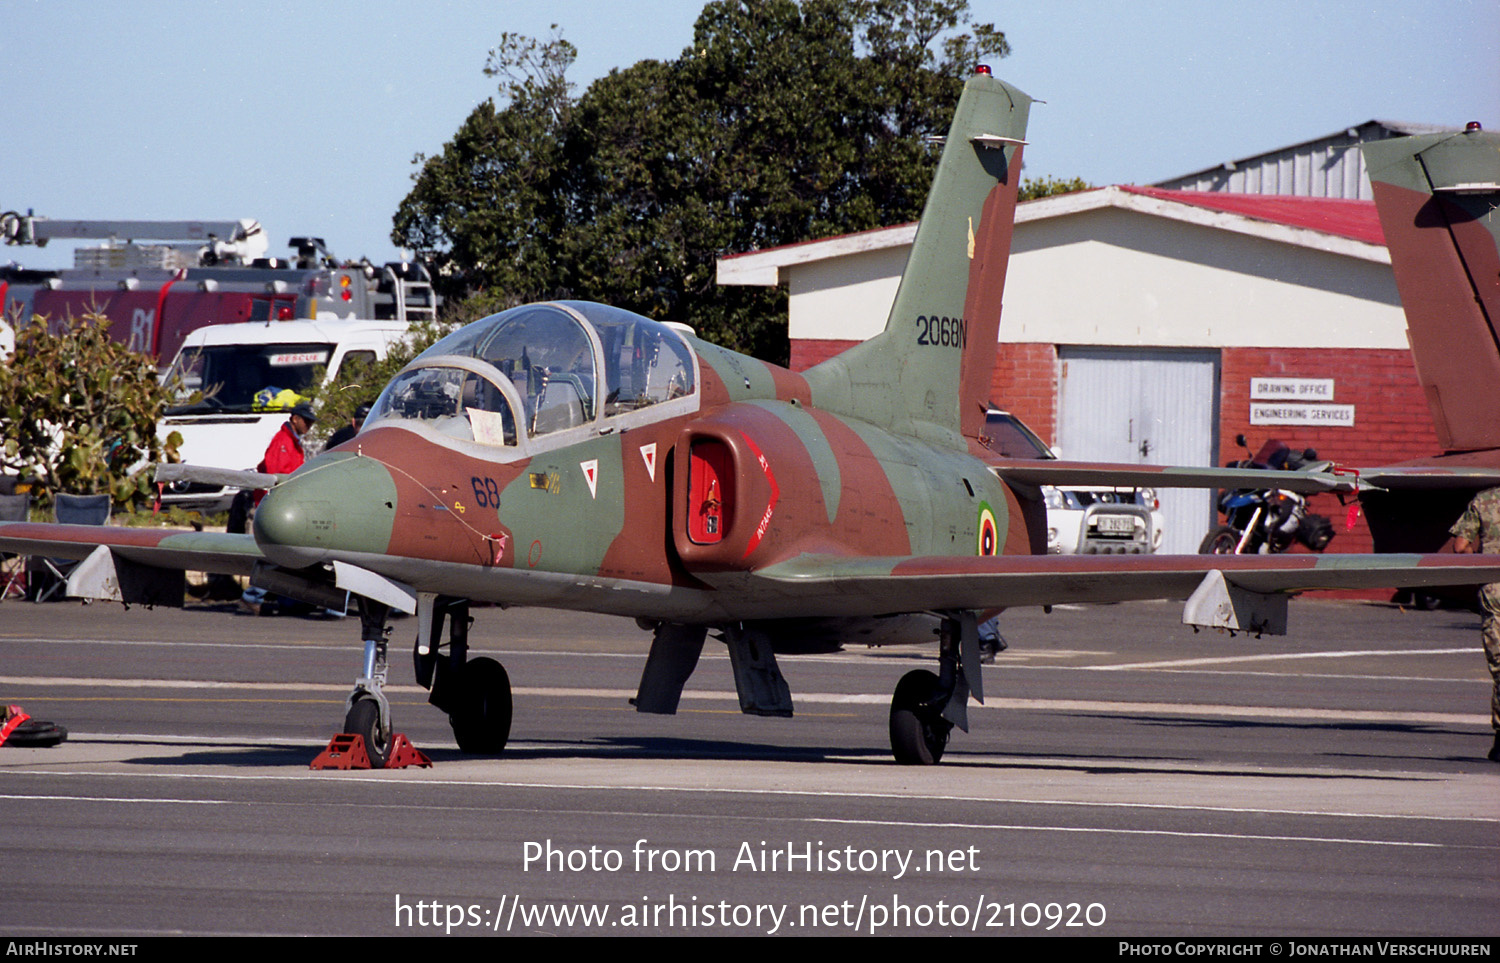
column 250, row 376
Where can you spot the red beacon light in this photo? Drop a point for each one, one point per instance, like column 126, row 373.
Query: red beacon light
column 1472, row 127
column 983, row 69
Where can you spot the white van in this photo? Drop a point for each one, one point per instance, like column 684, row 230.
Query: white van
column 252, row 374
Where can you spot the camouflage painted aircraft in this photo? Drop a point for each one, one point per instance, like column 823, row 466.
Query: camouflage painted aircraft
column 574, row 455
column 1439, row 201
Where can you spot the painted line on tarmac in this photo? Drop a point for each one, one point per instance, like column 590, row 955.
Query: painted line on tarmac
column 834, row 794
column 188, row 684
column 1400, row 717
column 300, row 646
column 309, row 645
column 123, row 799
column 782, row 819
column 879, row 657
column 1092, row 830
column 1273, row 657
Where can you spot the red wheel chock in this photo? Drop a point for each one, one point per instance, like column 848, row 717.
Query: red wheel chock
column 13, row 716
column 347, row 751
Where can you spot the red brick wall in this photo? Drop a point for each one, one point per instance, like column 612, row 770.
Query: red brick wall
column 1391, row 419
column 1025, row 384
column 807, row 352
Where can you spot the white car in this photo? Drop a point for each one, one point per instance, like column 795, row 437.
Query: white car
column 1082, row 520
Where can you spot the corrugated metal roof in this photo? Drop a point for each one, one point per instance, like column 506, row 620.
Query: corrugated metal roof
column 1352, row 219
column 1327, row 166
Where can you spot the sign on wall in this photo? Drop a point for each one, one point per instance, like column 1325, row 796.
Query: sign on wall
column 1297, row 401
column 1292, row 389
column 1329, row 416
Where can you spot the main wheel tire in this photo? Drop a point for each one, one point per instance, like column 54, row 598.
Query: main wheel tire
column 363, row 720
column 34, row 734
column 1221, row 541
column 919, row 734
column 482, row 722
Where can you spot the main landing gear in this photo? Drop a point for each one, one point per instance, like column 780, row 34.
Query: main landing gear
column 475, row 693
column 919, row 733
column 926, row 707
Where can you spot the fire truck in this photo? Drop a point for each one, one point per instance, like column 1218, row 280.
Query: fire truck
column 159, row 280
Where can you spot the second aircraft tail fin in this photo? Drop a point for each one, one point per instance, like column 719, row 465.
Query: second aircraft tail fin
column 1438, row 197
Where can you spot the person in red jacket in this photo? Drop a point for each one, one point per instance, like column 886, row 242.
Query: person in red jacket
column 284, row 455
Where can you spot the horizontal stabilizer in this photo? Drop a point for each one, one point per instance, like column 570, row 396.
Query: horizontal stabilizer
column 1431, row 477
column 1048, row 472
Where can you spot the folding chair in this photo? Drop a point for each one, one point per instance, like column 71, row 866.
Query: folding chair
column 71, row 510
column 13, row 508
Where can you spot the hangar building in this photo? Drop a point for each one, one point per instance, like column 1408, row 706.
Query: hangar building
column 1154, row 324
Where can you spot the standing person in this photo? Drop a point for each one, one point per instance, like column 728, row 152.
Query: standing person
column 284, row 455
column 1478, row 530
column 348, row 431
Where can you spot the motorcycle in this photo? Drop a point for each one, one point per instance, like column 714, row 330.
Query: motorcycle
column 1268, row 520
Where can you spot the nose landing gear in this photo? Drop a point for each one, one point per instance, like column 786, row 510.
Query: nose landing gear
column 368, row 740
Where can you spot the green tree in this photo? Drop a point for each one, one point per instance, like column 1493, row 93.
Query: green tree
column 1031, row 188
column 783, row 122
column 485, row 211
column 79, row 411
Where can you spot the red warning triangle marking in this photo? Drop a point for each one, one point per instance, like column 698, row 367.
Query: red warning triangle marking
column 648, row 455
column 591, row 475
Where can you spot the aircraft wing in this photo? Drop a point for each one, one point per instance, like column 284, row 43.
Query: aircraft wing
column 166, row 548
column 1105, row 475
column 147, row 565
column 839, row 585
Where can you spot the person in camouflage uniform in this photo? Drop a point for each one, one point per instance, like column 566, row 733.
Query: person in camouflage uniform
column 1478, row 530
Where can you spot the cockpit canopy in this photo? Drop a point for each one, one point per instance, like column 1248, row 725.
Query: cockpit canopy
column 540, row 369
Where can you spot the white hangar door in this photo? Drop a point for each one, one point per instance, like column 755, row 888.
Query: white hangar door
column 1146, row 407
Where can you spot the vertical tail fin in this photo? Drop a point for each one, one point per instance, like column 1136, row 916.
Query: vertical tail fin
column 1438, row 197
column 929, row 372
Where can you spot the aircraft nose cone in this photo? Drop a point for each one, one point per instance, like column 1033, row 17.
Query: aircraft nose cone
column 337, row 503
column 285, row 527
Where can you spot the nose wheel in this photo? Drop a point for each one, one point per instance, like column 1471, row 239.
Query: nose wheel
column 363, row 720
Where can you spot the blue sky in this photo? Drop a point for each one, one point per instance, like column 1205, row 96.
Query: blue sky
column 306, row 116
